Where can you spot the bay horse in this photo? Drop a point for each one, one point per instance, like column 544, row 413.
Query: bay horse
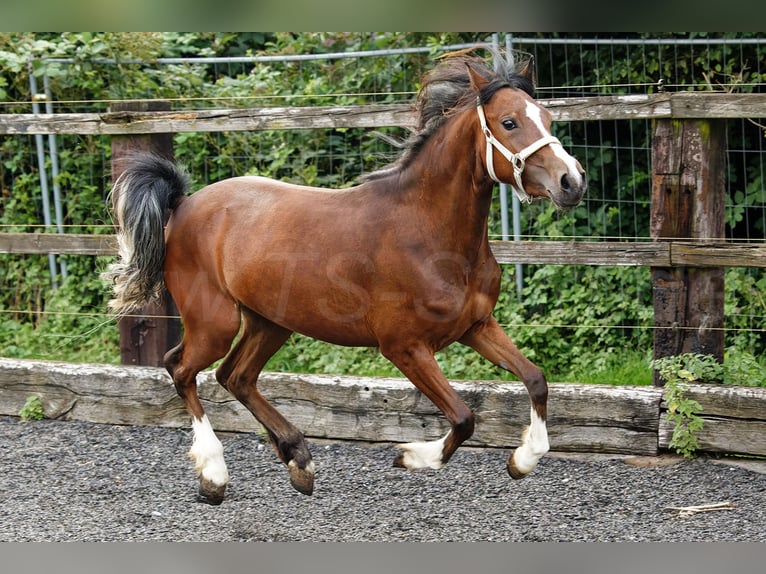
column 400, row 262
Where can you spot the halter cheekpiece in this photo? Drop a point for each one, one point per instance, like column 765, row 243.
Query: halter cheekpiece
column 517, row 160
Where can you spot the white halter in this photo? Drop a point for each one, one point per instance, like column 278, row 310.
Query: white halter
column 517, row 159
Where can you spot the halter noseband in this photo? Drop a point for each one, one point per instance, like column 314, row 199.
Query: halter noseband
column 517, row 159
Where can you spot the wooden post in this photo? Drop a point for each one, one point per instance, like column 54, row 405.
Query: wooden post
column 688, row 202
column 145, row 337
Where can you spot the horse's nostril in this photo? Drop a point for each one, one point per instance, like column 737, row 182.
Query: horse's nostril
column 570, row 185
column 565, row 185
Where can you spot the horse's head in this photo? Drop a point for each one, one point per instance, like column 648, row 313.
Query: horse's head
column 520, row 149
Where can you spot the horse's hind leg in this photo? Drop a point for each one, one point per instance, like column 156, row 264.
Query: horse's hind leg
column 203, row 344
column 239, row 373
column 490, row 341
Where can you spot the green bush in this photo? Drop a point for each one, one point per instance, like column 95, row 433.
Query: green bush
column 679, row 371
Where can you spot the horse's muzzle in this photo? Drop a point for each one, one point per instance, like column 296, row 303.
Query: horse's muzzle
column 570, row 192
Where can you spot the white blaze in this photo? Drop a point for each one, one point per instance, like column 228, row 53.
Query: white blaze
column 535, row 116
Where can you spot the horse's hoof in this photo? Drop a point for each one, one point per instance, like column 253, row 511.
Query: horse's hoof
column 210, row 493
column 209, row 500
column 513, row 471
column 302, row 479
column 399, row 460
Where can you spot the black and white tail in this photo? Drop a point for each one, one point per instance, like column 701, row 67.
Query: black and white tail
column 142, row 197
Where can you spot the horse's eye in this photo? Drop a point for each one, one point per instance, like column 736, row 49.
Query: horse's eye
column 509, row 124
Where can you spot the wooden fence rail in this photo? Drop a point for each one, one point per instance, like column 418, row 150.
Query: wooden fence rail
column 679, row 105
column 622, row 253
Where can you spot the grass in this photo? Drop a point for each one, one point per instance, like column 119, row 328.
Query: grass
column 302, row 355
column 620, row 369
column 99, row 343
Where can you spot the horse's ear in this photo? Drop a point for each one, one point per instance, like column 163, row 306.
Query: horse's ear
column 478, row 81
column 528, row 70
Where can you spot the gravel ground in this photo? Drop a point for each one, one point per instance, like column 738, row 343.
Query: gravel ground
column 73, row 481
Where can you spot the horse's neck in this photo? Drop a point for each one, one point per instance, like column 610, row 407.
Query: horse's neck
column 449, row 181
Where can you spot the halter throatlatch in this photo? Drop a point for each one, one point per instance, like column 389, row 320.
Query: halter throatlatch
column 517, row 159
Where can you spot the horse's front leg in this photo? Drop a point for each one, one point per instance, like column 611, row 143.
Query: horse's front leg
column 419, row 366
column 490, row 341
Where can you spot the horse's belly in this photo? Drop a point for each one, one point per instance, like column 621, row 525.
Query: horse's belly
column 310, row 306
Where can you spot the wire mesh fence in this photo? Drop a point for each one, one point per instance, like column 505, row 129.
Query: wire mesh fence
column 615, row 154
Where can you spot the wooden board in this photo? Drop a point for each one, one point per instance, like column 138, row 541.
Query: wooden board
column 734, row 419
column 617, row 253
column 217, row 120
column 597, row 108
column 618, row 107
column 721, row 435
column 63, row 243
column 714, row 254
column 583, row 418
column 589, row 418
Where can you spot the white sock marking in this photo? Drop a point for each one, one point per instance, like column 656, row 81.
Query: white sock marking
column 207, row 453
column 423, row 454
column 534, row 444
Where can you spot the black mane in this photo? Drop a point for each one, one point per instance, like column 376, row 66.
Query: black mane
column 446, row 91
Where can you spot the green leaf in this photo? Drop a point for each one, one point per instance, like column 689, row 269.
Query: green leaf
column 685, row 374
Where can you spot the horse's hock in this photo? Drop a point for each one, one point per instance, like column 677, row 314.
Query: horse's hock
column 582, row 418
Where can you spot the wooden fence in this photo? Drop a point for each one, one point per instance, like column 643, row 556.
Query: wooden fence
column 687, row 254
column 581, row 418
